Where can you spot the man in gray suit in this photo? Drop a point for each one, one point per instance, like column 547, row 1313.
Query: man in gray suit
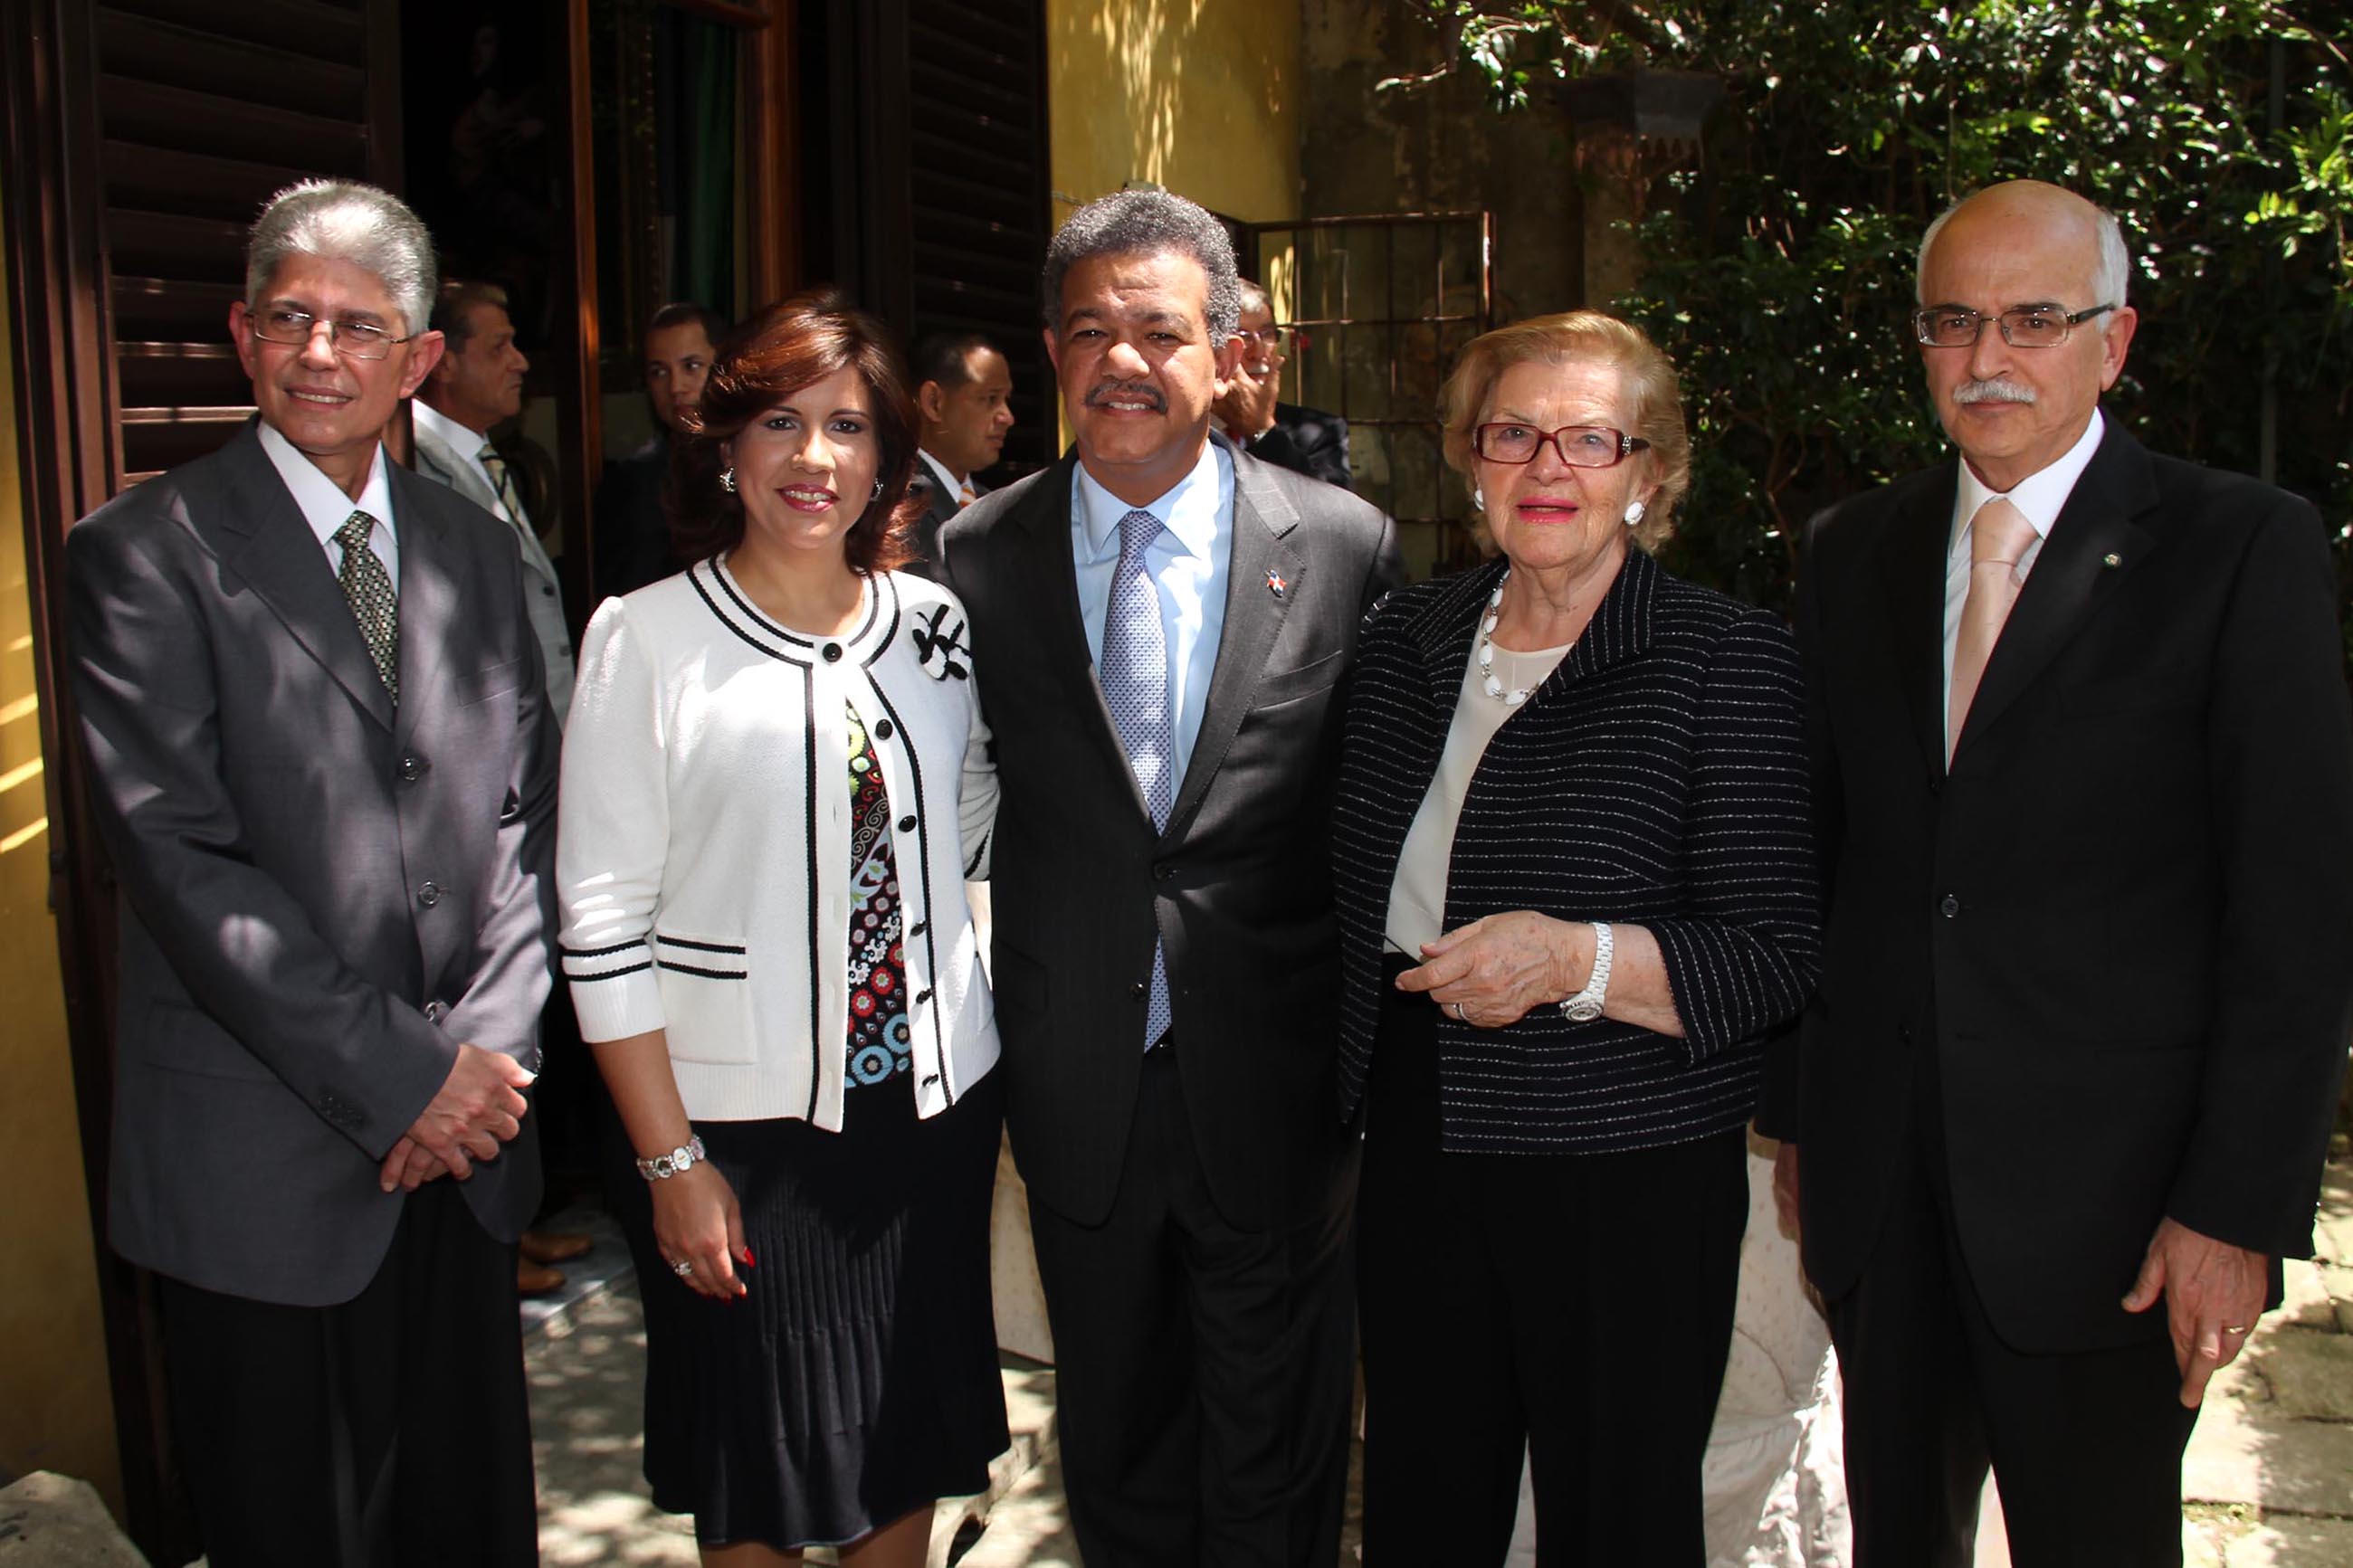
column 1161, row 626
column 321, row 759
column 477, row 384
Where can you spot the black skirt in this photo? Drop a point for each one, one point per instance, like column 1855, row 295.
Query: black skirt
column 858, row 1380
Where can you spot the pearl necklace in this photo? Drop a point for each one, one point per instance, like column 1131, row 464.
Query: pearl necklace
column 1492, row 684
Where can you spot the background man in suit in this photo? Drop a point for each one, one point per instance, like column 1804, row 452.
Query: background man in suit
column 962, row 385
column 478, row 383
column 632, row 528
column 1162, row 626
column 322, row 758
column 2061, row 1098
column 1304, row 440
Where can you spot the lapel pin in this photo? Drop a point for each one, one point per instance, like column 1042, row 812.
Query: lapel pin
column 1275, row 585
column 2112, row 560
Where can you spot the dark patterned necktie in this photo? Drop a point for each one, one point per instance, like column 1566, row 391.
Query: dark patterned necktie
column 1133, row 670
column 502, row 481
column 374, row 605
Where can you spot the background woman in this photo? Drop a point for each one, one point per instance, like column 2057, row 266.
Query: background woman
column 774, row 784
column 1576, row 888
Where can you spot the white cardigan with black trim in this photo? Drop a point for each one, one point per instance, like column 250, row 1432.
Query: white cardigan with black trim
column 704, row 852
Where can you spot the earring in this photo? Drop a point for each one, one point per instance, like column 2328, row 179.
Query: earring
column 1634, row 510
column 727, row 480
column 1478, row 499
column 876, row 494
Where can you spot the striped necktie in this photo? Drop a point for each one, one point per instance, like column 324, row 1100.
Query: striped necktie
column 502, row 481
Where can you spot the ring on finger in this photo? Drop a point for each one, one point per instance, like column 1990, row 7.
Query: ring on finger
column 1460, row 1015
column 681, row 1268
column 2227, row 1329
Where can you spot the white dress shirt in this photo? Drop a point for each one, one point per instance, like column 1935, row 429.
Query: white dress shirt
column 326, row 507
column 468, row 444
column 2038, row 498
column 947, row 482
column 1188, row 563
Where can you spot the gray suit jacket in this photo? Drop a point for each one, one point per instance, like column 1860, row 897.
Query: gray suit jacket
column 1238, row 889
column 544, row 597
column 320, row 896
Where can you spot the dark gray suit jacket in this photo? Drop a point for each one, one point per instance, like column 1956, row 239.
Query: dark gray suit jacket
column 321, row 896
column 1238, row 889
column 2115, row 928
column 939, row 505
column 1306, row 441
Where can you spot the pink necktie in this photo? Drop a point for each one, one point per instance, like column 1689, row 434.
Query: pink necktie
column 1999, row 537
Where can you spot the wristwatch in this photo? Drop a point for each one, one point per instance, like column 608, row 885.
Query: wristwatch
column 663, row 1167
column 1586, row 1006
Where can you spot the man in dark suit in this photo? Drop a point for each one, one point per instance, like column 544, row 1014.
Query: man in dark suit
column 322, row 758
column 631, row 521
column 2082, row 743
column 1162, row 627
column 1304, row 440
column 963, row 391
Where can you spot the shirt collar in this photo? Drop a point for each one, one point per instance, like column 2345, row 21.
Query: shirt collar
column 2038, row 498
column 953, row 483
column 324, row 504
column 468, row 444
column 1190, row 511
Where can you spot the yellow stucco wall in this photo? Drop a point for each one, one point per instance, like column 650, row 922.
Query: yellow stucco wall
column 1200, row 96
column 56, row 1413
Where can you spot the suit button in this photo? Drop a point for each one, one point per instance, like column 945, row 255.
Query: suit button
column 429, row 894
column 924, row 995
column 919, row 928
column 906, row 825
column 412, row 769
column 1163, row 873
column 435, row 1012
column 833, row 653
column 1138, row 991
column 882, row 731
column 1950, row 907
column 1903, row 1032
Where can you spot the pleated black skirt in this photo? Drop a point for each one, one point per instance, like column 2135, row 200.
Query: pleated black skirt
column 859, row 1378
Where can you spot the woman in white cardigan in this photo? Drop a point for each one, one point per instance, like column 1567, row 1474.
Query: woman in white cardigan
column 775, row 783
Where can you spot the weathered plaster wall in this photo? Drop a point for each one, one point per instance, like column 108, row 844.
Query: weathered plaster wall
column 1200, row 96
column 56, row 1411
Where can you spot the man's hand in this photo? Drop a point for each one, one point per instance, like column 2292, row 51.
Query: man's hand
column 1245, row 405
column 2213, row 1293
column 409, row 1166
column 480, row 1107
column 1785, row 1188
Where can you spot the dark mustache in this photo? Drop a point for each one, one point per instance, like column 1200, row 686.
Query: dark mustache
column 1128, row 392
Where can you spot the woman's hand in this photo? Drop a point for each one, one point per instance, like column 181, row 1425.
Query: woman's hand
column 1492, row 971
column 696, row 1222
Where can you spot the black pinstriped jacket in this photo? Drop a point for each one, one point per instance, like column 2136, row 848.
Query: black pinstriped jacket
column 1658, row 777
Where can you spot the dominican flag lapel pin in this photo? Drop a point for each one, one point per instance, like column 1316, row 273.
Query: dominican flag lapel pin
column 1275, row 585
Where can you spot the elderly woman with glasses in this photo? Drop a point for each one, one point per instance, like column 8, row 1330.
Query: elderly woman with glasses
column 1577, row 887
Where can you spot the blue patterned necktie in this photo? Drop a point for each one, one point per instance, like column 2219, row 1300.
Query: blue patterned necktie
column 1133, row 670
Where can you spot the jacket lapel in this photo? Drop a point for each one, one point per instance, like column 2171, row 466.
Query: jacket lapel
column 1912, row 563
column 2072, row 577
column 438, row 461
column 278, row 556
column 1261, row 552
column 429, row 597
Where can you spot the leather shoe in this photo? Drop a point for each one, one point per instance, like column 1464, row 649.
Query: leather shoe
column 536, row 1278
column 555, row 1245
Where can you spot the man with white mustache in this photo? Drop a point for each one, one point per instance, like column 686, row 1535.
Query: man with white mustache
column 1163, row 624
column 2085, row 776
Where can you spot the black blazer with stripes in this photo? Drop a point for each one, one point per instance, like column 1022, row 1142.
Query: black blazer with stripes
column 1658, row 777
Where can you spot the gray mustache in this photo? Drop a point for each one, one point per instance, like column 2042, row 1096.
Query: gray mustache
column 1993, row 390
column 1125, row 393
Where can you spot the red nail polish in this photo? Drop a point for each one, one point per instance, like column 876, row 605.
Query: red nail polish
column 749, row 1261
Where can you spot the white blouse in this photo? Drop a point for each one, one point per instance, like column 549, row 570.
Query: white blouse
column 703, row 852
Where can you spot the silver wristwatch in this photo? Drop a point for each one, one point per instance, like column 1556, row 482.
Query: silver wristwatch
column 1586, row 1006
column 663, row 1167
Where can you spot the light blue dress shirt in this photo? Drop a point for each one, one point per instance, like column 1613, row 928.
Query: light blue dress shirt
column 1189, row 564
column 326, row 507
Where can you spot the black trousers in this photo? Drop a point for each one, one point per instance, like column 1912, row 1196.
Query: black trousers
column 1203, row 1371
column 1577, row 1305
column 2086, row 1448
column 390, row 1431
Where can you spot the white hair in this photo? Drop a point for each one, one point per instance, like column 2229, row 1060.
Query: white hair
column 2108, row 279
column 342, row 220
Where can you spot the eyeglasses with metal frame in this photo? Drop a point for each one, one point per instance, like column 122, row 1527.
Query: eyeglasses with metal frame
column 353, row 339
column 1580, row 446
column 2044, row 326
column 1265, row 337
